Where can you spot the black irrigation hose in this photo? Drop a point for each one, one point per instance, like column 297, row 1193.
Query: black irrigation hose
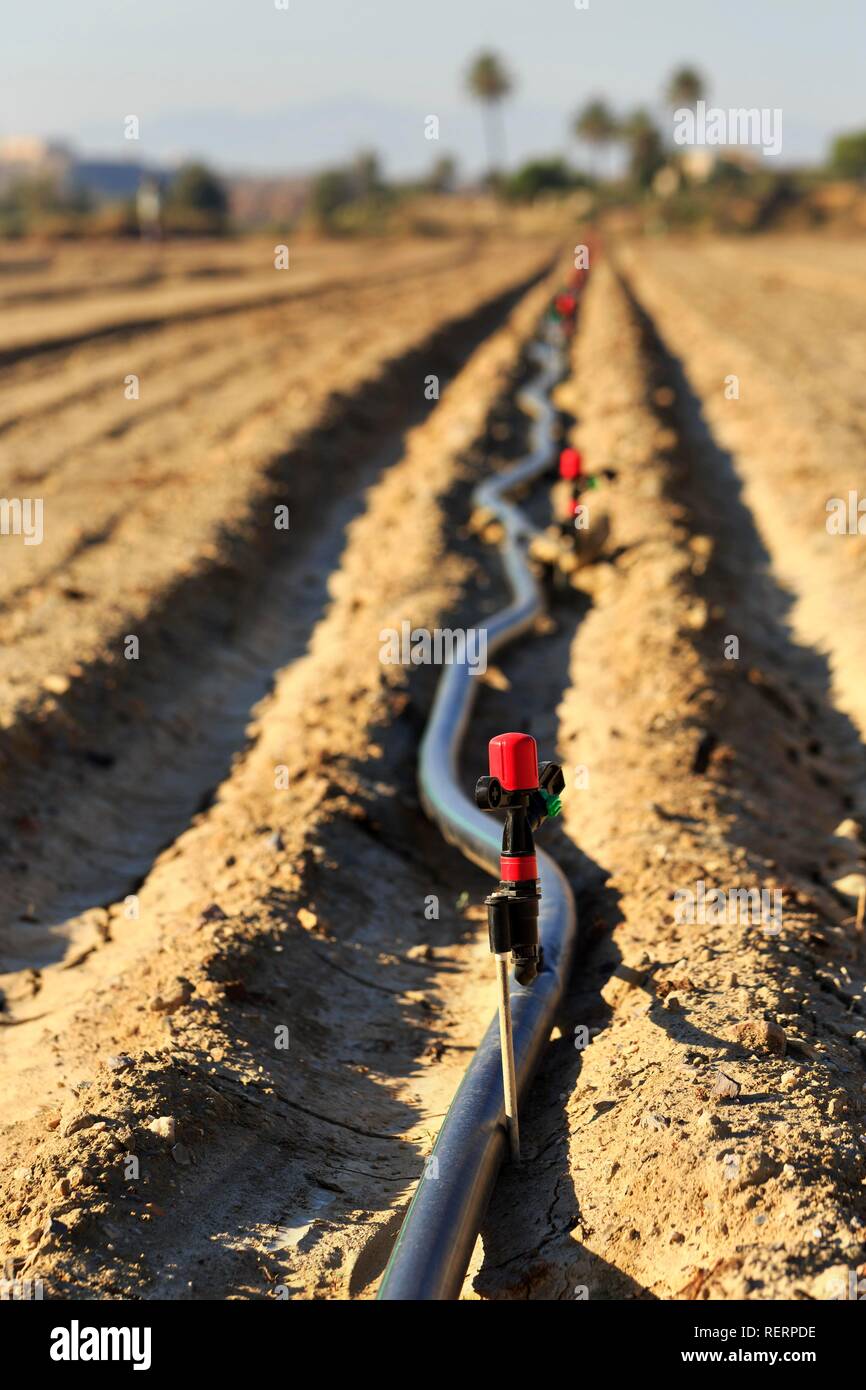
column 436, row 1240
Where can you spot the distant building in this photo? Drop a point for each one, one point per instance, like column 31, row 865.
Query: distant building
column 254, row 200
column 28, row 157
column 113, row 180
column 699, row 164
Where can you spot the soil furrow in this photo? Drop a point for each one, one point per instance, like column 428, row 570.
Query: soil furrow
column 642, row 1179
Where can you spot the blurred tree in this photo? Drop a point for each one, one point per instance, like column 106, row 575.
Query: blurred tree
column 35, row 203
column 686, row 87
column 332, row 190
column 848, row 155
column 490, row 83
column 367, row 174
column 646, row 153
column 541, row 176
column 196, row 191
column 198, row 186
column 443, row 176
column 596, row 124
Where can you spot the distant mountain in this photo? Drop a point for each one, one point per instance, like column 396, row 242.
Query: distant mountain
column 110, row 180
column 300, row 139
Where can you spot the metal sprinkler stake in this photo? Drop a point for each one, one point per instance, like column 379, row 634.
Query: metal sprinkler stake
column 529, row 795
column 506, row 1047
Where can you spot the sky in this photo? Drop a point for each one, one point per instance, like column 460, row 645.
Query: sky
column 253, row 87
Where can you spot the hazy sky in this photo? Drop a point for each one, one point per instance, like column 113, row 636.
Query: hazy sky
column 249, row 85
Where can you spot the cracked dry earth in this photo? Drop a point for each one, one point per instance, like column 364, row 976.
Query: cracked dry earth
column 706, row 1141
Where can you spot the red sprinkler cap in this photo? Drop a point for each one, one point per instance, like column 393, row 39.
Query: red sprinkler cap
column 514, row 761
column 566, row 305
column 570, row 463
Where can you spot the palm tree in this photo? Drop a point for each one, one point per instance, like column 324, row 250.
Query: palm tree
column 686, row 87
column 596, row 124
column 489, row 82
column 646, row 152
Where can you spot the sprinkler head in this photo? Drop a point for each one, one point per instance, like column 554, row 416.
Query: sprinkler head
column 514, row 761
column 570, row 464
column 528, row 792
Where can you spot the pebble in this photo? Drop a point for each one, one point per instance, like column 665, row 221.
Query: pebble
column 79, row 1122
column 652, row 1119
column 698, row 615
column 213, row 913
column 422, row 952
column 119, row 1062
column 726, row 1088
column 181, row 1155
column 165, row 1127
column 851, row 885
column 759, row 1035
column 307, row 918
column 847, row 829
column 57, row 685
column 496, row 679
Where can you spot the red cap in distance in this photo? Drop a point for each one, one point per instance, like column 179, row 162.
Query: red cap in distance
column 565, row 304
column 514, row 761
column 570, row 463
